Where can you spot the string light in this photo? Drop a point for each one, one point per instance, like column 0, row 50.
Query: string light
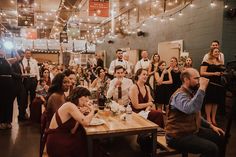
column 171, row 18
column 191, row 4
column 213, row 4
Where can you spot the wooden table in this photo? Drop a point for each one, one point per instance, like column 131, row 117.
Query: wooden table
column 114, row 126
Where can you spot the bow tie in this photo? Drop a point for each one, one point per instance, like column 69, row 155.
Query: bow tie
column 145, row 60
column 120, row 60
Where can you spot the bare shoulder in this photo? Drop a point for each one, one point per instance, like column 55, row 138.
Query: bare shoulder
column 55, row 95
column 68, row 105
column 148, row 88
column 134, row 87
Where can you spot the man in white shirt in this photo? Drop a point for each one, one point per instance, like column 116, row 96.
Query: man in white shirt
column 31, row 69
column 144, row 62
column 130, row 65
column 214, row 44
column 119, row 61
column 119, row 87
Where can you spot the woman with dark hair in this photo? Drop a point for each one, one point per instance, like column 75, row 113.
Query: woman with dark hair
column 154, row 64
column 66, row 136
column 153, row 67
column 164, row 82
column 55, row 99
column 56, row 96
column 175, row 73
column 101, row 79
column 141, row 99
column 46, row 76
column 188, row 63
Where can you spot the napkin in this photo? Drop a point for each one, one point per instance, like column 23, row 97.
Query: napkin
column 144, row 114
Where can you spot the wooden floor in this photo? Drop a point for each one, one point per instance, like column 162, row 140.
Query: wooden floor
column 23, row 141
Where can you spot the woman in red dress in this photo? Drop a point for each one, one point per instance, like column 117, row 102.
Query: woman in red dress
column 66, row 136
column 141, row 98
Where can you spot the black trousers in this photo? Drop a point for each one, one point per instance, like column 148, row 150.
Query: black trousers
column 21, row 97
column 205, row 142
column 30, row 84
column 7, row 96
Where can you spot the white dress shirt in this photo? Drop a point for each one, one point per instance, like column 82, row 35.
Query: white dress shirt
column 116, row 62
column 34, row 69
column 125, row 87
column 142, row 64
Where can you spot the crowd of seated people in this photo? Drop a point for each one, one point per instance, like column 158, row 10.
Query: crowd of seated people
column 64, row 93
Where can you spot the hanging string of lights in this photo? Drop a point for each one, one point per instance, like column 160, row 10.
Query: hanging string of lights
column 167, row 15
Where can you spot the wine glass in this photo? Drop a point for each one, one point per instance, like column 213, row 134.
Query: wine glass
column 95, row 108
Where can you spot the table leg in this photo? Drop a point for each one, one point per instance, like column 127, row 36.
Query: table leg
column 90, row 146
column 154, row 143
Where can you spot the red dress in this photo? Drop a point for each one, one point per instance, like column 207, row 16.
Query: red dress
column 62, row 143
column 154, row 115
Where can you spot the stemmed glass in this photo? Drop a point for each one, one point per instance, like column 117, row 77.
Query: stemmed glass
column 95, row 108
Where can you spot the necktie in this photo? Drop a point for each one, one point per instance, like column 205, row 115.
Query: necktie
column 22, row 68
column 28, row 66
column 119, row 92
column 120, row 60
column 145, row 60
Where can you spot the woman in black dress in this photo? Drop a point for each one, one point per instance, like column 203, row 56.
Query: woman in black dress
column 175, row 73
column 188, row 63
column 164, row 82
column 213, row 69
column 153, row 66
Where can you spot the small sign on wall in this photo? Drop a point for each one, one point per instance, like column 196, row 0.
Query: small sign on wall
column 25, row 11
column 99, row 8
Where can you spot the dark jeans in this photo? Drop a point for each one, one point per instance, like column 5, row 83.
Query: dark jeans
column 30, row 84
column 21, row 98
column 205, row 142
column 7, row 95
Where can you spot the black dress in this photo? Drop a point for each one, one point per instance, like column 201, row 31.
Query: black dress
column 163, row 91
column 176, row 80
column 214, row 93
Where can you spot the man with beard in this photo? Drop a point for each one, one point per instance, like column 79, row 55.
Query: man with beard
column 186, row 130
column 119, row 61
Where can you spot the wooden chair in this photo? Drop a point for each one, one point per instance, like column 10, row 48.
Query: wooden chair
column 165, row 150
